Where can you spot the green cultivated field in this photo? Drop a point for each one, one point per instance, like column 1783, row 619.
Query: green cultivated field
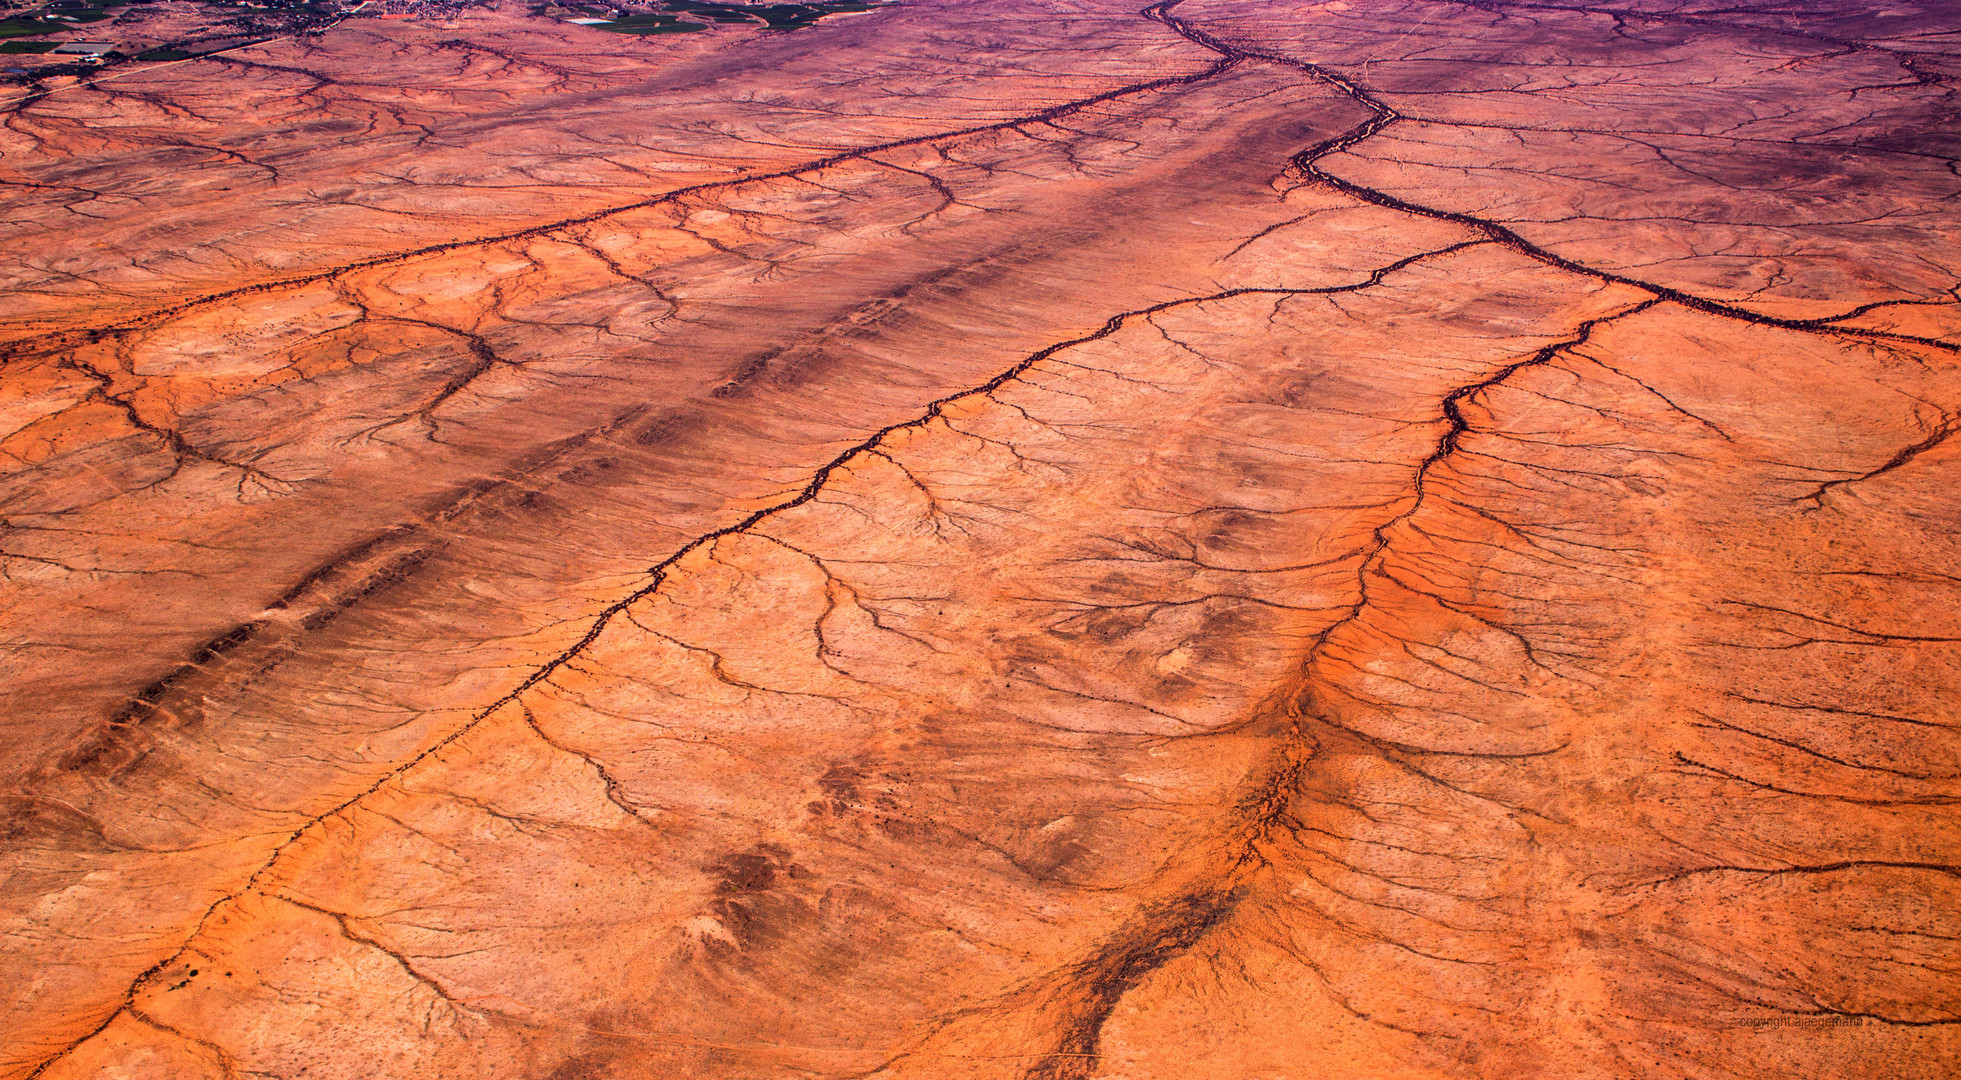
column 650, row 24
column 26, row 27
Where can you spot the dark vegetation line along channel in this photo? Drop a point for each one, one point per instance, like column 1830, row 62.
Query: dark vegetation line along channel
column 657, row 577
column 1171, row 929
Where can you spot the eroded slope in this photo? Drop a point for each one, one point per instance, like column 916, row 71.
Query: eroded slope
column 1354, row 539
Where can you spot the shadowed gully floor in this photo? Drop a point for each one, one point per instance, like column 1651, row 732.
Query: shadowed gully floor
column 990, row 539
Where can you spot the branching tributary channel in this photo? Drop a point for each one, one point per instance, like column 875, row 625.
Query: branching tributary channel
column 1163, row 930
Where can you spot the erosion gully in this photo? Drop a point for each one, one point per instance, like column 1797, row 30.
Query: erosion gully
column 1169, row 927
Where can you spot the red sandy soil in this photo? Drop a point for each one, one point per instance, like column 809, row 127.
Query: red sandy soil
column 1241, row 541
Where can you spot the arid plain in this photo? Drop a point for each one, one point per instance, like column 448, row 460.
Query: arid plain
column 990, row 538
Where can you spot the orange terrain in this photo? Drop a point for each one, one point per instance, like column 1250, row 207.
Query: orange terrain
column 1241, row 540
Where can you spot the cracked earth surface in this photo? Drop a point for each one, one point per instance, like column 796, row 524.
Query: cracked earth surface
column 991, row 539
